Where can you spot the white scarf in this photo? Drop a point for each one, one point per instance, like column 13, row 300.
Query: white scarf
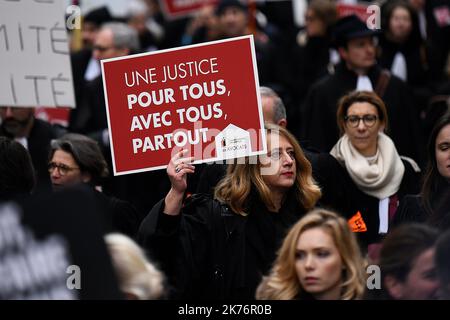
column 381, row 177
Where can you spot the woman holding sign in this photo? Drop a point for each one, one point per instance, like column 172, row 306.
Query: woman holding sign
column 220, row 248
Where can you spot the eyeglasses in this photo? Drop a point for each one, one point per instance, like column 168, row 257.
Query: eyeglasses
column 62, row 168
column 368, row 119
column 277, row 154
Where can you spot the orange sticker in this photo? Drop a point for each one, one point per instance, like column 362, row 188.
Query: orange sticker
column 357, row 223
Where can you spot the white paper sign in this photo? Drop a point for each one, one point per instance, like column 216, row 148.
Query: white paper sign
column 34, row 56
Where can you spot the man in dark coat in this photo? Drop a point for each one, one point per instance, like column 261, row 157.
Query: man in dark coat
column 84, row 66
column 113, row 40
column 359, row 71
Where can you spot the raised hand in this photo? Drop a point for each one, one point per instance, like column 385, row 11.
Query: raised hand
column 177, row 170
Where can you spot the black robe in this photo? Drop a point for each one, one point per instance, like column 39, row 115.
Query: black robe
column 341, row 194
column 416, row 67
column 412, row 208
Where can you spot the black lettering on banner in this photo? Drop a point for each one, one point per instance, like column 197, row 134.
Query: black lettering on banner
column 20, row 37
column 5, row 36
column 38, row 38
column 63, row 39
column 13, row 88
column 54, row 92
column 36, row 90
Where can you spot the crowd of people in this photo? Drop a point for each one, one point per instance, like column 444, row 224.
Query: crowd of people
column 357, row 170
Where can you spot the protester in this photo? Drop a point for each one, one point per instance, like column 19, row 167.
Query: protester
column 435, row 29
column 77, row 160
column 137, row 16
column 219, row 248
column 85, row 67
column 17, row 176
column 432, row 204
column 366, row 168
column 234, row 19
column 92, row 22
column 403, row 51
column 407, row 265
column 442, row 261
column 113, row 40
column 207, row 176
column 313, row 56
column 20, row 124
column 358, row 70
column 319, row 259
column 202, row 27
column 273, row 107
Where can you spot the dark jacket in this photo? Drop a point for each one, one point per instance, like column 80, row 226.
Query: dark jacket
column 416, row 66
column 340, row 193
column 210, row 252
column 412, row 209
column 39, row 147
column 310, row 62
column 79, row 61
column 318, row 115
column 91, row 113
column 118, row 215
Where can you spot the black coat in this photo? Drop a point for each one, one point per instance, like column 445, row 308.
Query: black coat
column 318, row 115
column 412, row 209
column 438, row 33
column 117, row 215
column 340, row 193
column 79, row 61
column 416, row 66
column 210, row 252
column 90, row 117
column 39, row 147
column 309, row 63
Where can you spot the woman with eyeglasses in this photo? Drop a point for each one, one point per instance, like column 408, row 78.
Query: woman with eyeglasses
column 220, row 248
column 77, row 160
column 366, row 169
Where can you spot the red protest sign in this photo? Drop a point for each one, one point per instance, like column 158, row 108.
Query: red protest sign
column 360, row 10
column 203, row 98
column 182, row 8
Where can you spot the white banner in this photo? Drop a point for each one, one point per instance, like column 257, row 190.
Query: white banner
column 34, row 56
